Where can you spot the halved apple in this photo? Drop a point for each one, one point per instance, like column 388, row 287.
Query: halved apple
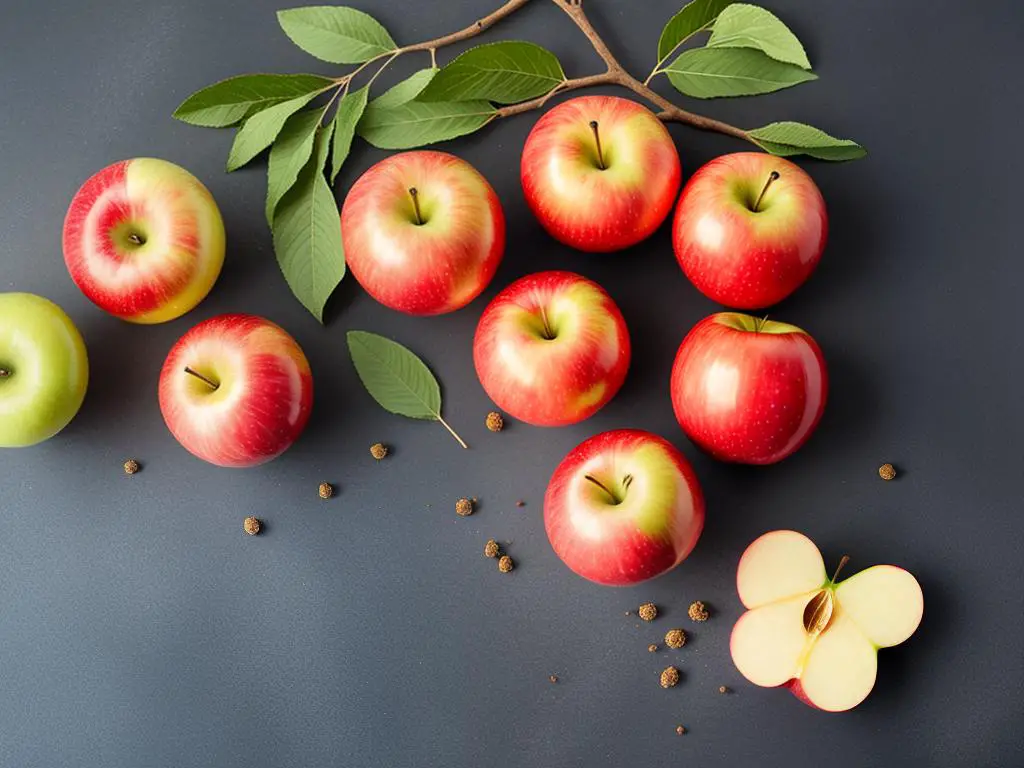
column 818, row 637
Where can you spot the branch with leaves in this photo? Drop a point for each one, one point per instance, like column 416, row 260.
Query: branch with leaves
column 748, row 52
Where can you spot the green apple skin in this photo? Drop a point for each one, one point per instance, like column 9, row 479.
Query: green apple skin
column 44, row 369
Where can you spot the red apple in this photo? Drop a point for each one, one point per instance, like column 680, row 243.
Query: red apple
column 748, row 390
column 236, row 390
column 144, row 240
column 623, row 507
column 423, row 232
column 551, row 349
column 600, row 172
column 749, row 229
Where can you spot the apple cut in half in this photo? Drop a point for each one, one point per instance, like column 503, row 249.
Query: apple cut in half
column 812, row 634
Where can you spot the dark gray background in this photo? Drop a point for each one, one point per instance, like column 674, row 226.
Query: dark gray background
column 140, row 627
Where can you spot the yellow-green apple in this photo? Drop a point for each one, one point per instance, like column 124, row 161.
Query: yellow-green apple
column 44, row 369
column 600, row 172
column 423, row 232
column 749, row 229
column 551, row 349
column 623, row 507
column 236, row 390
column 748, row 390
column 144, row 240
column 812, row 634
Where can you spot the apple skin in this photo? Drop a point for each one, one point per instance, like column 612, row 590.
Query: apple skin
column 263, row 398
column 552, row 379
column 747, row 390
column 581, row 204
column 740, row 257
column 431, row 268
column 646, row 534
column 44, row 369
column 182, row 240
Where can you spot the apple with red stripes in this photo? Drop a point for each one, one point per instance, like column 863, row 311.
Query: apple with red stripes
column 236, row 390
column 623, row 507
column 551, row 349
column 423, row 232
column 600, row 173
column 144, row 240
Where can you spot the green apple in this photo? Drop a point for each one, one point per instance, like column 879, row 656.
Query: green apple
column 44, row 369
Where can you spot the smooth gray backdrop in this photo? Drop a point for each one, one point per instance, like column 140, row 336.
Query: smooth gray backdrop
column 139, row 627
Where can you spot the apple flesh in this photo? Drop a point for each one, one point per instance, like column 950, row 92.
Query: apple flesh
column 829, row 664
column 623, row 507
column 551, row 349
column 749, row 229
column 423, row 231
column 44, row 369
column 748, row 390
column 600, row 173
column 236, row 390
column 144, row 240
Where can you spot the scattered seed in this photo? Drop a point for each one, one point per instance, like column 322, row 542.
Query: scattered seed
column 520, row 503
column 669, row 677
column 652, row 648
column 698, row 611
column 491, row 548
column 723, row 689
column 464, row 507
column 553, row 678
column 494, row 421
column 131, row 467
column 251, row 525
column 675, row 638
column 378, row 451
column 647, row 611
column 505, row 564
column 680, row 730
column 887, row 471
column 326, row 490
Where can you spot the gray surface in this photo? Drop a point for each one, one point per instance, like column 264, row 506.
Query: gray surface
column 139, row 627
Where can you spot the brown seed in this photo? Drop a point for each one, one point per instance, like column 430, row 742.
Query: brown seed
column 647, row 611
column 887, row 471
column 326, row 490
column 520, row 503
column 251, row 525
column 553, row 678
column 723, row 689
column 494, row 421
column 505, row 564
column 698, row 611
column 464, row 507
column 669, row 677
column 491, row 548
column 131, row 467
column 378, row 451
column 680, row 730
column 675, row 638
column 652, row 648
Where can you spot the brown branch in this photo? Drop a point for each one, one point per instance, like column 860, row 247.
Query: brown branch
column 472, row 30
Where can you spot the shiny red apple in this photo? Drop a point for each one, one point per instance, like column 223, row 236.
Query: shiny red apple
column 623, row 507
column 749, row 229
column 236, row 390
column 600, row 172
column 551, row 349
column 748, row 390
column 423, row 232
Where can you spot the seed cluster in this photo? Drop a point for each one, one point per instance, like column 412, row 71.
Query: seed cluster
column 326, row 490
column 647, row 611
column 251, row 525
column 505, row 564
column 698, row 611
column 494, row 421
column 464, row 507
column 669, row 677
column 131, row 467
column 675, row 638
column 378, row 451
column 887, row 471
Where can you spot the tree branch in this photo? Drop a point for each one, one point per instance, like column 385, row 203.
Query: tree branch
column 472, row 30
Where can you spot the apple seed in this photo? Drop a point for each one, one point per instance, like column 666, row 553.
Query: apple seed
column 680, row 730
column 887, row 471
column 652, row 648
column 326, row 490
column 251, row 525
column 378, row 451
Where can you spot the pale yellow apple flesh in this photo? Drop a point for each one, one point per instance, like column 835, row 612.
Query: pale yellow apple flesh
column 831, row 668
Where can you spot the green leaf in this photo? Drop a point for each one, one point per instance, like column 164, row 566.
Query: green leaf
column 789, row 138
column 307, row 236
column 692, row 18
column 288, row 155
column 707, row 73
column 336, row 34
column 350, row 109
column 394, row 376
column 505, row 72
column 259, row 131
column 747, row 26
column 407, row 90
column 227, row 102
column 415, row 123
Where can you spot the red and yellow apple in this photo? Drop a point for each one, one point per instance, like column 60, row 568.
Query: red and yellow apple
column 749, row 229
column 144, row 240
column 236, row 390
column 623, row 507
column 812, row 634
column 423, row 232
column 551, row 349
column 748, row 390
column 600, row 173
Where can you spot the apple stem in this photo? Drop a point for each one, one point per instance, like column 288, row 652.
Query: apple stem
column 136, row 239
column 842, row 562
column 213, row 385
column 771, row 177
column 414, row 194
column 547, row 328
column 597, row 141
column 453, row 432
column 615, row 499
